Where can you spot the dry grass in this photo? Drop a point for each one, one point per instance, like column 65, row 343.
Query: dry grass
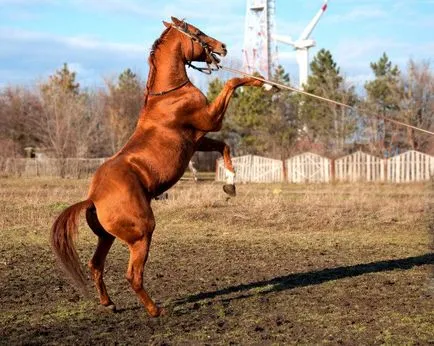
column 277, row 264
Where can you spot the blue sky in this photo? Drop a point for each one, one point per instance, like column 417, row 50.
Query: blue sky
column 99, row 39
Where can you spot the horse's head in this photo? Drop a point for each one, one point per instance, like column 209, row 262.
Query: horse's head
column 196, row 45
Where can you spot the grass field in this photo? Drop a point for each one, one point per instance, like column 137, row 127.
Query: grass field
column 278, row 264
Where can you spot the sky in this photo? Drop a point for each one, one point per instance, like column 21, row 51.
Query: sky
column 101, row 38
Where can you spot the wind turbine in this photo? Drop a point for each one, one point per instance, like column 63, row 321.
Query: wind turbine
column 302, row 46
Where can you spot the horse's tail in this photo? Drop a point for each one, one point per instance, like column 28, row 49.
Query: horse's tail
column 63, row 235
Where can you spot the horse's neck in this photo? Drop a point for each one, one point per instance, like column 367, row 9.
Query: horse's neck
column 169, row 69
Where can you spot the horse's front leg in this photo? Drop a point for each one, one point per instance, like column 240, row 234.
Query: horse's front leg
column 211, row 120
column 208, row 144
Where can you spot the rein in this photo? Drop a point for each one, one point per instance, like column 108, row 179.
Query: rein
column 361, row 112
column 215, row 66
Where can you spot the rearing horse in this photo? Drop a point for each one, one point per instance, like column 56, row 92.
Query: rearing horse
column 171, row 127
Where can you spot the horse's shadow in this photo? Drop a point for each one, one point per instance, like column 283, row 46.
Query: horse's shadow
column 295, row 280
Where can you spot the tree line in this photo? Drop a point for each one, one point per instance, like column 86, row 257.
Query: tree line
column 66, row 120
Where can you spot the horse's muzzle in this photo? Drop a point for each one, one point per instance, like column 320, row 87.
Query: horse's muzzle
column 222, row 51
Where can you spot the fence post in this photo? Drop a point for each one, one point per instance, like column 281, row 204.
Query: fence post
column 384, row 172
column 216, row 169
column 284, row 171
column 333, row 170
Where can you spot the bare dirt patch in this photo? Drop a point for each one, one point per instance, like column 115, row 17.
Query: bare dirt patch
column 278, row 264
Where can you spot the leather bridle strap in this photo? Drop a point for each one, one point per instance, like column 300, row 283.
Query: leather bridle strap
column 213, row 66
column 170, row 90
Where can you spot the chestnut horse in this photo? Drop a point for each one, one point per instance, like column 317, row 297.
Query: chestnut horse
column 171, row 127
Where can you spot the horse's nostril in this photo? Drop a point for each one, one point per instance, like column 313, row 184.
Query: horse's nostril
column 223, row 46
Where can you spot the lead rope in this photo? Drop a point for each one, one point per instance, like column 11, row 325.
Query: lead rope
column 361, row 112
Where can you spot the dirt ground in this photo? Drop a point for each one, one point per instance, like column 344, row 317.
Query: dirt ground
column 278, row 264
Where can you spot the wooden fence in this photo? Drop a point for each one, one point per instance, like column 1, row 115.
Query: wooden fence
column 359, row 166
column 252, row 168
column 411, row 166
column 308, row 167
column 70, row 167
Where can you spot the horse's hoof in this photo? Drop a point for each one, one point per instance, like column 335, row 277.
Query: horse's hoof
column 230, row 189
column 108, row 308
column 271, row 88
column 158, row 312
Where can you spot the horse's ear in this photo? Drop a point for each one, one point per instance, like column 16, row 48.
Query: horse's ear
column 167, row 25
column 176, row 21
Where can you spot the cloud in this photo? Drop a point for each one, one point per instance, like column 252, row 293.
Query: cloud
column 32, row 56
column 189, row 9
column 17, row 36
column 36, row 55
column 360, row 51
column 223, row 20
column 129, row 7
column 219, row 11
column 355, row 32
column 359, row 13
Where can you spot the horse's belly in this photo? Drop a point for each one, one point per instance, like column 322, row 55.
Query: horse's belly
column 158, row 159
column 161, row 170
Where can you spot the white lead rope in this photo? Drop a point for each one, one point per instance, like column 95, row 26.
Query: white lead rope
column 326, row 100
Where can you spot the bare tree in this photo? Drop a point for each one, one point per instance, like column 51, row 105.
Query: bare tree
column 417, row 104
column 65, row 123
column 60, row 121
column 124, row 102
column 98, row 135
column 17, row 106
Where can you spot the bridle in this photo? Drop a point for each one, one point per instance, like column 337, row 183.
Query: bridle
column 161, row 93
column 213, row 65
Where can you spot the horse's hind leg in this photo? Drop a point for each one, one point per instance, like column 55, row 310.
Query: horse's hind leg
column 139, row 242
column 130, row 219
column 96, row 264
column 138, row 256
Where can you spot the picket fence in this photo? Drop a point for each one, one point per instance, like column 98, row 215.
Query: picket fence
column 252, row 168
column 47, row 167
column 308, row 167
column 359, row 166
column 411, row 166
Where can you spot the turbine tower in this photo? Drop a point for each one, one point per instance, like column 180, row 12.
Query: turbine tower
column 302, row 46
column 260, row 50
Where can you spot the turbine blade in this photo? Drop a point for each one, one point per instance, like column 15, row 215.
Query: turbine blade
column 308, row 30
column 284, row 39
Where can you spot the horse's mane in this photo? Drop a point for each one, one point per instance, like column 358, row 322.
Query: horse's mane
column 151, row 62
